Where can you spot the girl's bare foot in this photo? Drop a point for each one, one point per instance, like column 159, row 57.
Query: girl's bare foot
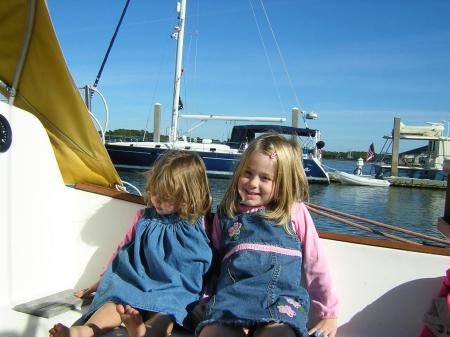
column 132, row 320
column 60, row 330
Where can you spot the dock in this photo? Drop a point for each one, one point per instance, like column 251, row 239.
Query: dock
column 415, row 182
column 407, row 182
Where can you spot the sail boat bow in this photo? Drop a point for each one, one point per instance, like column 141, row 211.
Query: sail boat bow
column 35, row 77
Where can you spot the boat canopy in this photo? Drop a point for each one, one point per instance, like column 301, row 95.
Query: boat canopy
column 246, row 133
column 36, row 78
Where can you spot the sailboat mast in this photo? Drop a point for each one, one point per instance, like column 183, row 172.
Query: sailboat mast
column 181, row 8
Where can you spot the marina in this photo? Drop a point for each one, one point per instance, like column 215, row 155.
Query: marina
column 64, row 206
column 418, row 165
column 409, row 208
column 367, row 177
column 421, row 167
column 220, row 158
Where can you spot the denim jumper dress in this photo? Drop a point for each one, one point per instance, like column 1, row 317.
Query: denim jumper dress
column 260, row 274
column 161, row 270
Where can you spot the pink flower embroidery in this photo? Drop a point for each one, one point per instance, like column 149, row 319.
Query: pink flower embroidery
column 294, row 303
column 235, row 230
column 287, row 310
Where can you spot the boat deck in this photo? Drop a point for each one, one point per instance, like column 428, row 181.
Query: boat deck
column 70, row 231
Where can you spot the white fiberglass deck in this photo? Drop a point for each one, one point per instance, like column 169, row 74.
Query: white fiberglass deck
column 54, row 237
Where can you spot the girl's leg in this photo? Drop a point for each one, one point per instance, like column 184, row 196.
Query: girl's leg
column 220, row 330
column 159, row 325
column 155, row 325
column 103, row 320
column 274, row 330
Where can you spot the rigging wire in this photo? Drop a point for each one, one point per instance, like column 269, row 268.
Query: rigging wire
column 185, row 84
column 197, row 28
column 267, row 56
column 162, row 62
column 191, row 79
column 51, row 126
column 283, row 62
column 105, row 58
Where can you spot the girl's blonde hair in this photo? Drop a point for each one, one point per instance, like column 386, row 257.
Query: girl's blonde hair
column 290, row 182
column 179, row 177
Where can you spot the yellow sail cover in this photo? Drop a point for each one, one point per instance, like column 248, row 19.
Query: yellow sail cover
column 47, row 90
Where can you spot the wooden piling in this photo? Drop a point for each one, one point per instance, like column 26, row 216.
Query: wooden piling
column 295, row 112
column 156, row 122
column 395, row 146
column 444, row 222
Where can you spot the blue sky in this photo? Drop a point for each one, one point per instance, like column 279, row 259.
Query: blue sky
column 356, row 63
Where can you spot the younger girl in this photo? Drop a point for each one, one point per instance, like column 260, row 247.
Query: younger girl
column 156, row 275
column 264, row 236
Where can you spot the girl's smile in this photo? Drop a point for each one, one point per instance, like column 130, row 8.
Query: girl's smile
column 255, row 185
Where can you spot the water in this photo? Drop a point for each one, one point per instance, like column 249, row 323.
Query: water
column 414, row 209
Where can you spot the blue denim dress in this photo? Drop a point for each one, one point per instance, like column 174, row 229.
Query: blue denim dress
column 260, row 276
column 161, row 270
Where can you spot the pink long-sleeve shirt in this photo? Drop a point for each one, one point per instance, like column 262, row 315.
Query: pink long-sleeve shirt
column 129, row 236
column 315, row 265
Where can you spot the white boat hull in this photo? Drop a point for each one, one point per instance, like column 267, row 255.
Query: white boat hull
column 55, row 237
column 353, row 179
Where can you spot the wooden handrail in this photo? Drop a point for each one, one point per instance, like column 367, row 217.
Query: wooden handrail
column 313, row 208
column 110, row 192
column 361, row 240
column 364, row 228
column 324, row 235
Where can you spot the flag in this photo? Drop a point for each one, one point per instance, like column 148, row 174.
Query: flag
column 370, row 152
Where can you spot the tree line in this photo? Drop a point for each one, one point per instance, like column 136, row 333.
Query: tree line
column 348, row 155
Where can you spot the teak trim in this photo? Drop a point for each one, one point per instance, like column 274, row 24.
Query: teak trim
column 110, row 192
column 324, row 235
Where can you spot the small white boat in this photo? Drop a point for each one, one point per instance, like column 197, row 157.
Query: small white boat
column 363, row 180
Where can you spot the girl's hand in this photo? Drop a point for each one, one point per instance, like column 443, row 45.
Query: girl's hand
column 84, row 293
column 327, row 327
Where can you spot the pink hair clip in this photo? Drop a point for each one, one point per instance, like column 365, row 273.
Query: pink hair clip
column 273, row 155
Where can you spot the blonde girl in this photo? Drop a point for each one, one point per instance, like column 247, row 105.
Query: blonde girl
column 156, row 274
column 265, row 238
